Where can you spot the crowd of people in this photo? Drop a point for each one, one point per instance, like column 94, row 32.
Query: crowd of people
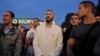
column 77, row 36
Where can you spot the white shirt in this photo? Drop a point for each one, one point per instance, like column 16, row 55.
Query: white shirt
column 30, row 33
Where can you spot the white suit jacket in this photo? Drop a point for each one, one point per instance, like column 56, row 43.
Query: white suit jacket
column 50, row 45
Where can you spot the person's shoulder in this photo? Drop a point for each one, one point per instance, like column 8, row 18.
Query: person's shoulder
column 56, row 26
column 31, row 30
column 97, row 24
column 28, row 31
column 96, row 27
column 17, row 31
column 41, row 26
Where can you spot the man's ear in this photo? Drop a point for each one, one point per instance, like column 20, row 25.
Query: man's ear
column 88, row 9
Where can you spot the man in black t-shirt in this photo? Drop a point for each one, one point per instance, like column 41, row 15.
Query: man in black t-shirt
column 84, row 38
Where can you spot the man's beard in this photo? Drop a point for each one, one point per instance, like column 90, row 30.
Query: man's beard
column 5, row 24
column 48, row 21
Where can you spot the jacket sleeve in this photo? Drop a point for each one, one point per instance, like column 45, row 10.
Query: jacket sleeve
column 18, row 45
column 58, row 49
column 36, row 47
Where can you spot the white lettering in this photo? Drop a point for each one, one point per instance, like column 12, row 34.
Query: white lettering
column 15, row 21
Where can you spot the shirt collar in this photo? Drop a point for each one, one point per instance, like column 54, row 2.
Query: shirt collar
column 6, row 31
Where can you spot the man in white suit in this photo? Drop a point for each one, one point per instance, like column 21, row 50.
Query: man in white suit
column 48, row 37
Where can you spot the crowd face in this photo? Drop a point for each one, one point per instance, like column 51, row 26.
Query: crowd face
column 35, row 22
column 49, row 16
column 97, row 18
column 20, row 27
column 82, row 11
column 7, row 19
column 30, row 25
column 75, row 20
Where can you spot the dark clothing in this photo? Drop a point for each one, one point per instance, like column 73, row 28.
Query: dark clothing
column 1, row 49
column 11, row 43
column 23, row 40
column 97, row 48
column 1, row 33
column 79, row 33
column 30, row 51
column 66, row 35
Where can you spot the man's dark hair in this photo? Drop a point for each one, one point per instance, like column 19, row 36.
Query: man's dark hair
column 12, row 14
column 89, row 4
column 36, row 19
column 74, row 14
column 97, row 14
column 50, row 10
